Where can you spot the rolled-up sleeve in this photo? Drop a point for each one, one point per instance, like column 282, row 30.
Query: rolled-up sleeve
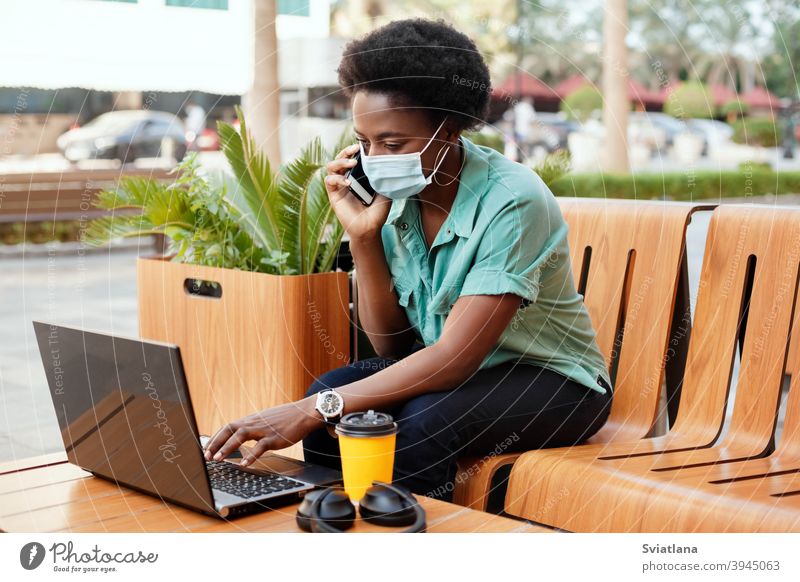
column 513, row 249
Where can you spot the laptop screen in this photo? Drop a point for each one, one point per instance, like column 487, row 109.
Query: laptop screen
column 124, row 412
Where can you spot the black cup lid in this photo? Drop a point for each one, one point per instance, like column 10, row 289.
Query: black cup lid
column 366, row 424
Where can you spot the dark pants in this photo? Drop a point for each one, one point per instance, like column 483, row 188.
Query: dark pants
column 506, row 408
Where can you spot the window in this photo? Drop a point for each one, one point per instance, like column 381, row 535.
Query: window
column 294, row 7
column 211, row 4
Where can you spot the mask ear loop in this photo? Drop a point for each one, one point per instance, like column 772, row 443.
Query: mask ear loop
column 438, row 162
column 439, row 157
column 430, row 141
column 464, row 161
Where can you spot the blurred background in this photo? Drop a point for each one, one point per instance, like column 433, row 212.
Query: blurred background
column 660, row 99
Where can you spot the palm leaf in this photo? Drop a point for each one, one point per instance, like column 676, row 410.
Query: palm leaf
column 331, row 230
column 130, row 192
column 257, row 186
column 297, row 219
column 160, row 206
column 317, row 218
column 232, row 192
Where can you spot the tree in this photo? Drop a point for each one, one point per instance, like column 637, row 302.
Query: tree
column 262, row 104
column 615, row 87
column 780, row 67
column 581, row 103
column 691, row 99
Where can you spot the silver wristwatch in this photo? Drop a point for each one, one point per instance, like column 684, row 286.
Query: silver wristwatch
column 330, row 405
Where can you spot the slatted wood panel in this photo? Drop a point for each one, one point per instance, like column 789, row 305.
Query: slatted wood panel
column 262, row 343
column 629, row 253
column 760, row 494
column 64, row 498
column 610, row 490
column 50, row 196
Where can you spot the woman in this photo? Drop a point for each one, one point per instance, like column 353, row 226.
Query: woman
column 464, row 280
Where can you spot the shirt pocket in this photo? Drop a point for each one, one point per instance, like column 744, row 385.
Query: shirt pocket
column 444, row 300
column 404, row 291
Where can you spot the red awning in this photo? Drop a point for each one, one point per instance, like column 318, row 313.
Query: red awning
column 524, row 85
column 571, row 84
column 760, row 98
column 637, row 92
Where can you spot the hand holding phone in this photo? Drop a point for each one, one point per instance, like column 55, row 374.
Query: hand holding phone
column 359, row 184
column 360, row 209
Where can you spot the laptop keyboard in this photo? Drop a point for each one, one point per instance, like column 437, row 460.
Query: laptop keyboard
column 230, row 478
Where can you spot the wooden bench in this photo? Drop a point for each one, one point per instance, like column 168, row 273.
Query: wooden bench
column 62, row 196
column 747, row 296
column 753, row 495
column 629, row 261
column 48, row 494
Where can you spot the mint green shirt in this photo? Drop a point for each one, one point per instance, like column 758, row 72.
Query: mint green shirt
column 505, row 234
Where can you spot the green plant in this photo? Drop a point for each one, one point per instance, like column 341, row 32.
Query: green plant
column 761, row 131
column 493, row 140
column 193, row 212
column 749, row 166
column 581, row 103
column 257, row 220
column 288, row 213
column 734, row 107
column 700, row 185
column 690, row 100
column 553, row 167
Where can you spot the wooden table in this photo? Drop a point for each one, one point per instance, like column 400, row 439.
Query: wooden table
column 49, row 494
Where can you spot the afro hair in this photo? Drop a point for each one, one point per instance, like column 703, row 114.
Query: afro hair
column 421, row 63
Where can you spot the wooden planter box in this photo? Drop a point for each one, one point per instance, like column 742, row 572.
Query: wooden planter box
column 250, row 342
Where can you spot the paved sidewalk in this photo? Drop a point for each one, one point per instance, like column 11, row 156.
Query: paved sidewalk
column 96, row 291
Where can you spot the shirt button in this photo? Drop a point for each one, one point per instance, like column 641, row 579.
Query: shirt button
column 448, row 231
column 404, row 226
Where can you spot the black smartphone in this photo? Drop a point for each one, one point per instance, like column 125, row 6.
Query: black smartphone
column 359, row 185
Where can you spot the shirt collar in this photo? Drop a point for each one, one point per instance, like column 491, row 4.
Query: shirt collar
column 473, row 183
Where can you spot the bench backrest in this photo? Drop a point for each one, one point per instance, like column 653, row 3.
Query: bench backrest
column 747, row 292
column 626, row 259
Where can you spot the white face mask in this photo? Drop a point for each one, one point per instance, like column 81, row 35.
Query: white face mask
column 400, row 175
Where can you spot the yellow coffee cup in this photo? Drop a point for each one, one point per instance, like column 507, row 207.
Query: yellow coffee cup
column 366, row 446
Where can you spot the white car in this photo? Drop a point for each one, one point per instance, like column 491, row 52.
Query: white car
column 713, row 132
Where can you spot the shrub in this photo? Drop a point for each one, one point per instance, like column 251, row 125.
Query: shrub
column 581, row 103
column 749, row 166
column 691, row 99
column 493, row 140
column 757, row 131
column 734, row 107
column 40, row 232
column 707, row 185
column 553, row 167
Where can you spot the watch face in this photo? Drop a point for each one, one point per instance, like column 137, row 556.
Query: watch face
column 330, row 404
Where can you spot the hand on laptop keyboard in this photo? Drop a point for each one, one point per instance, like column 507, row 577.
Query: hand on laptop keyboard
column 272, row 428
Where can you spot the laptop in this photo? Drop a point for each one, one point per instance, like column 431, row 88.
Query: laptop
column 125, row 414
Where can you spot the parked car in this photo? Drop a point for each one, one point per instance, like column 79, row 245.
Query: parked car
column 712, row 132
column 207, row 141
column 642, row 131
column 125, row 136
column 672, row 126
column 548, row 133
